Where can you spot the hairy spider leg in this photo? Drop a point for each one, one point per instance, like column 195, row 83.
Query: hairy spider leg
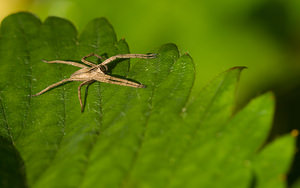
column 79, row 91
column 126, row 56
column 88, row 62
column 52, row 86
column 67, row 62
column 119, row 81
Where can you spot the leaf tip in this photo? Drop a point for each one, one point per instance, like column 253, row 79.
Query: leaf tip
column 169, row 48
column 187, row 55
column 294, row 133
column 102, row 21
column 238, row 68
column 99, row 27
column 60, row 22
column 23, row 16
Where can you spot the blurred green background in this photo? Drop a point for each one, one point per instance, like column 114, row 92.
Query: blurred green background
column 263, row 35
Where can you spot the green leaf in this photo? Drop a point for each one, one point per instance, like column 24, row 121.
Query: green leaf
column 159, row 136
column 276, row 165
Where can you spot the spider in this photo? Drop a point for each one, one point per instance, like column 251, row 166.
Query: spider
column 91, row 72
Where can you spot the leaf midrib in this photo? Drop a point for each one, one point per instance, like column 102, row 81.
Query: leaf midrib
column 99, row 119
column 63, row 99
column 7, row 127
column 126, row 177
column 28, row 75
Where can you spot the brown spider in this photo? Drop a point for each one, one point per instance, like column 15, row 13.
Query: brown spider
column 91, row 72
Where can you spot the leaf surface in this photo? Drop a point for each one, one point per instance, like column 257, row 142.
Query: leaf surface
column 159, row 136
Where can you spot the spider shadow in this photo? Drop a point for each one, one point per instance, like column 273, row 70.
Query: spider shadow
column 87, row 89
column 113, row 64
column 85, row 96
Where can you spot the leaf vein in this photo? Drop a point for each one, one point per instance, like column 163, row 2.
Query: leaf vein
column 142, row 139
column 7, row 127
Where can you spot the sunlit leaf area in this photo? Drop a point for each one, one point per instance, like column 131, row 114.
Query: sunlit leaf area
column 220, row 106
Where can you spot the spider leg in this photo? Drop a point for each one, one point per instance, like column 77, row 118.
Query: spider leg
column 119, row 81
column 126, row 56
column 52, row 86
column 79, row 91
column 67, row 62
column 88, row 62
